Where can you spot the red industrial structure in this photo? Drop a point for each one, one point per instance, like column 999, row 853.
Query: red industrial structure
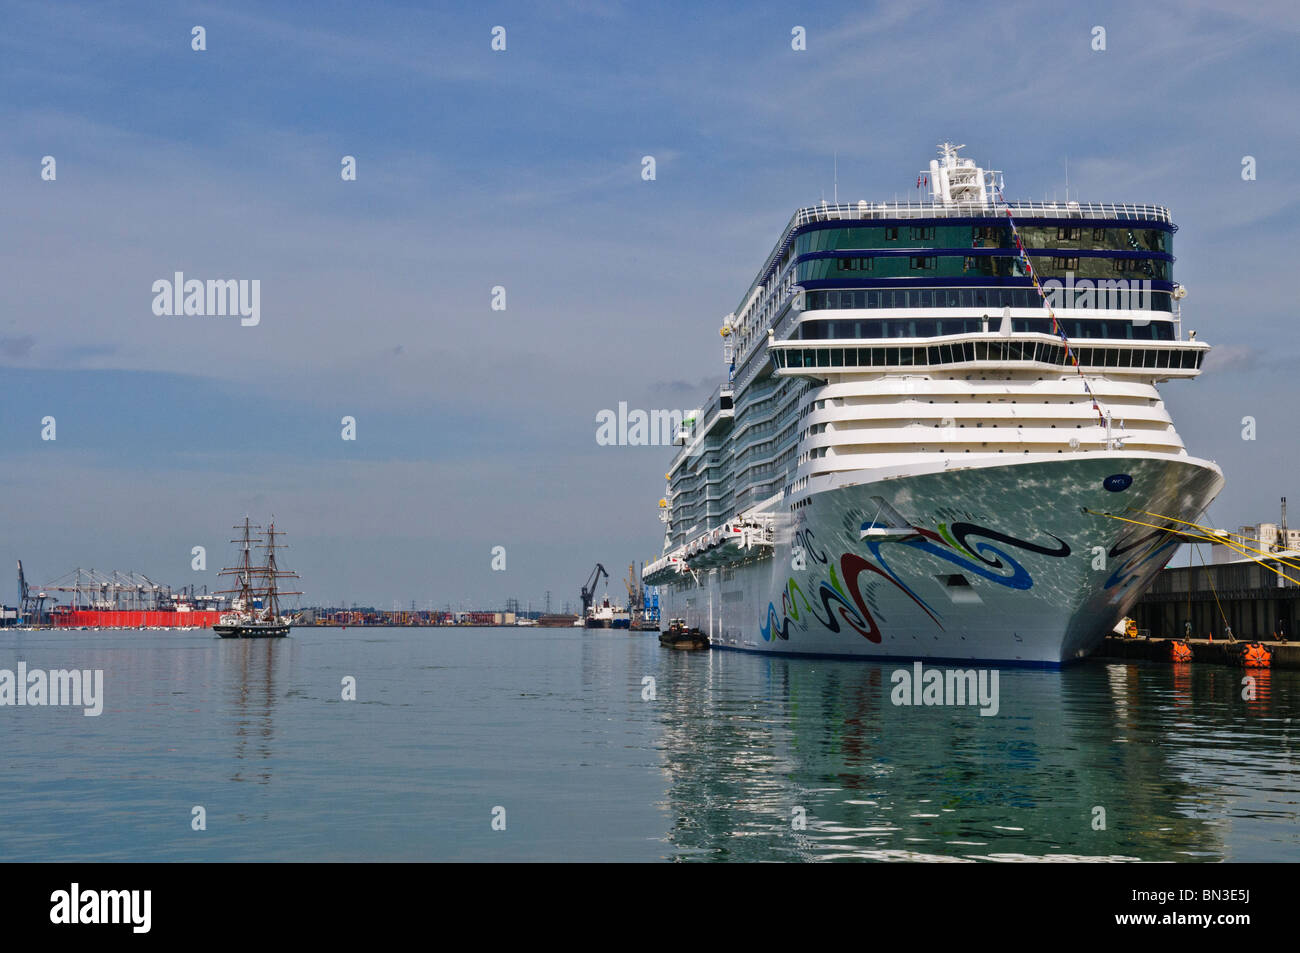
column 67, row 617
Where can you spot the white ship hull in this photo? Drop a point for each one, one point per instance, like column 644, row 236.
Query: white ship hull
column 1005, row 565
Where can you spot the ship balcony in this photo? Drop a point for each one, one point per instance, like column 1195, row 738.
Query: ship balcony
column 1028, row 436
column 871, row 448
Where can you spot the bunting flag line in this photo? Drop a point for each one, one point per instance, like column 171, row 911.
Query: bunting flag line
column 1056, row 325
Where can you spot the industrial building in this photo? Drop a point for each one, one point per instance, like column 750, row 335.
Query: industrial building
column 1256, row 599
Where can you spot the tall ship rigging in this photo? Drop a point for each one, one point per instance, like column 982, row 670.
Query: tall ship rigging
column 930, row 408
column 255, row 605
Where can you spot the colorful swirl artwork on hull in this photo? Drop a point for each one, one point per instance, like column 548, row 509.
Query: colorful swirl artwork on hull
column 965, row 545
column 968, row 546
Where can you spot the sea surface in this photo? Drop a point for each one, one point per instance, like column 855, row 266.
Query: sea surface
column 603, row 746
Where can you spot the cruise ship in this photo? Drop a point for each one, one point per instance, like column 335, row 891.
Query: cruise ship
column 932, row 416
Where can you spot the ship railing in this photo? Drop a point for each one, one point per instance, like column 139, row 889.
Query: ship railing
column 884, row 210
column 1021, row 348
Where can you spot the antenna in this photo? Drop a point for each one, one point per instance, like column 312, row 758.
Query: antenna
column 837, row 176
column 1282, row 533
column 1067, row 178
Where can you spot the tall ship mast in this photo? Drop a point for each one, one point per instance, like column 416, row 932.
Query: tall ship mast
column 255, row 606
column 929, row 408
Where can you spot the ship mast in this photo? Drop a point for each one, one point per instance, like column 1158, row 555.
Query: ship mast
column 245, row 570
column 272, row 572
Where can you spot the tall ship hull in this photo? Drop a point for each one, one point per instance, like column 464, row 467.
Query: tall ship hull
column 252, row 630
column 932, row 443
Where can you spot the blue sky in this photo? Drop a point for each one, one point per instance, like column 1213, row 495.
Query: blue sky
column 522, row 169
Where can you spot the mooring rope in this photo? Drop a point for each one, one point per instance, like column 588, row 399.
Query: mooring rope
column 1209, row 577
column 1215, row 538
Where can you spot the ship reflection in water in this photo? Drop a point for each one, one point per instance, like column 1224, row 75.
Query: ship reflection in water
column 601, row 745
column 1101, row 762
column 250, row 685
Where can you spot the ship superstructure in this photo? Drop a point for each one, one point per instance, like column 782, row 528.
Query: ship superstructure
column 928, row 405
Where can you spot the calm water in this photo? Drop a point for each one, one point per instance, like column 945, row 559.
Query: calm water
column 551, row 725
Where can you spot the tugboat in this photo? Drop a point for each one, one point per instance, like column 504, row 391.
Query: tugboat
column 679, row 636
column 255, row 610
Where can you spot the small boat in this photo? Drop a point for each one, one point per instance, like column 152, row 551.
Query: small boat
column 679, row 636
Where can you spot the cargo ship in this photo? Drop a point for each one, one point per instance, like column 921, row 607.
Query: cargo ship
column 607, row 616
column 115, row 600
column 929, row 410
column 183, row 617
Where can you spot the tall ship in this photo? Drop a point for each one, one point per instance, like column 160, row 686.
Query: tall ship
column 933, row 414
column 255, row 604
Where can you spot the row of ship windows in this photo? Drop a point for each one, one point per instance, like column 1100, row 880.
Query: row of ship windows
column 935, row 327
column 928, row 262
column 1033, row 236
column 964, row 351
column 968, row 298
column 1002, row 266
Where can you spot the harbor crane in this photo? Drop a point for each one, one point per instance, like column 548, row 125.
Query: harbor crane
column 633, row 587
column 589, row 590
column 31, row 605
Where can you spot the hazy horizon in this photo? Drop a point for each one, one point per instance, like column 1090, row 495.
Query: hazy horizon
column 522, row 169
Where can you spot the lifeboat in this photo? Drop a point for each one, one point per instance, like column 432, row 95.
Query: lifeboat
column 662, row 570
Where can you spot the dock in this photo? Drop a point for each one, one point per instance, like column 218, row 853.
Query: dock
column 1204, row 651
column 1251, row 599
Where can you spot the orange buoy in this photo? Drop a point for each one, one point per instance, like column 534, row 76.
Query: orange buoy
column 1256, row 655
column 1180, row 651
